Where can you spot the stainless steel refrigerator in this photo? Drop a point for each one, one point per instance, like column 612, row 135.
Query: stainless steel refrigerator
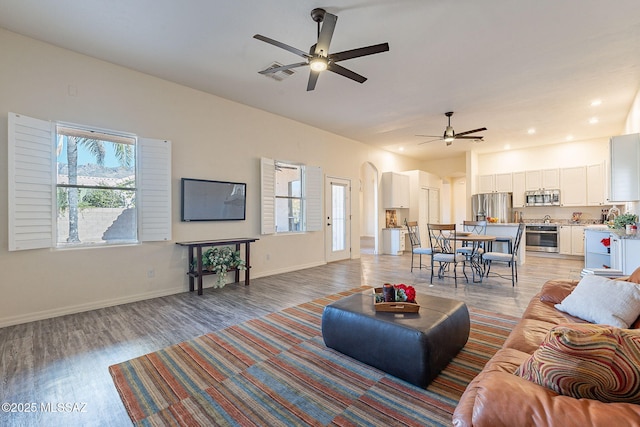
column 494, row 205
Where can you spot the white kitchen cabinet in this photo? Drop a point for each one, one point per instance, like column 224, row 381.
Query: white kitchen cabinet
column 518, row 187
column 395, row 190
column 631, row 259
column 551, row 179
column 624, row 253
column 571, row 239
column 596, row 254
column 548, row 179
column 573, row 186
column 577, row 240
column 533, row 180
column 616, row 252
column 393, row 241
column 625, row 168
column 495, row 183
column 486, row 183
column 504, row 183
column 595, row 185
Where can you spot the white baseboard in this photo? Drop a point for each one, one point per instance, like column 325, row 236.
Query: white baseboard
column 79, row 308
column 287, row 269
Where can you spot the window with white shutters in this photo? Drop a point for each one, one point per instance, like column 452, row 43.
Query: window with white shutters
column 291, row 197
column 80, row 186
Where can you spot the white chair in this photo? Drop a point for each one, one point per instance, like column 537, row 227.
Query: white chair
column 443, row 242
column 416, row 246
column 509, row 258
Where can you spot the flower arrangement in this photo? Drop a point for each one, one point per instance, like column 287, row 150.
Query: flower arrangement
column 221, row 259
column 621, row 221
column 403, row 293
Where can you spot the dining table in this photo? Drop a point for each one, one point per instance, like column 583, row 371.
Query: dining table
column 477, row 241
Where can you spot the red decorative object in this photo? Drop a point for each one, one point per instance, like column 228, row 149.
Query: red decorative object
column 408, row 291
column 405, row 299
column 606, row 242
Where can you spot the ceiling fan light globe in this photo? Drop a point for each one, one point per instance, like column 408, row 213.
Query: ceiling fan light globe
column 318, row 64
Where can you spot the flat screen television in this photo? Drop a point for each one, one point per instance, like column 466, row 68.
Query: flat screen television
column 204, row 200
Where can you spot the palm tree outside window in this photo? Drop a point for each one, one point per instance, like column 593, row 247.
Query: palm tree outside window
column 96, row 187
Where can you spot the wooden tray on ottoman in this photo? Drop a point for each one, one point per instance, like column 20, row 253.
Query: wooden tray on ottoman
column 394, row 307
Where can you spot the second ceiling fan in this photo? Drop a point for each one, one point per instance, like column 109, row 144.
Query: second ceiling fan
column 319, row 59
column 449, row 134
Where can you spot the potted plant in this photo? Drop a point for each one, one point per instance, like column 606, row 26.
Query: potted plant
column 221, row 259
column 621, row 221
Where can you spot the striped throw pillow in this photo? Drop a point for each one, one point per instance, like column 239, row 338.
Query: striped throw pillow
column 588, row 361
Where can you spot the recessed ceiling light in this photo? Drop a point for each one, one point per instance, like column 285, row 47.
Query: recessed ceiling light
column 507, row 146
column 531, row 131
column 569, row 138
column 596, row 102
column 401, row 149
column 593, row 120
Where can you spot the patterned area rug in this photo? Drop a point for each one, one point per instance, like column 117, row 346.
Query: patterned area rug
column 276, row 371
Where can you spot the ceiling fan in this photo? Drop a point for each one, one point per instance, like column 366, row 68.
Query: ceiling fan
column 319, row 59
column 449, row 134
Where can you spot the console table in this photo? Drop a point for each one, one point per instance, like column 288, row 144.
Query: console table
column 195, row 253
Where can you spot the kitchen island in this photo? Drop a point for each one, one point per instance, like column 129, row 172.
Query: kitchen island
column 507, row 229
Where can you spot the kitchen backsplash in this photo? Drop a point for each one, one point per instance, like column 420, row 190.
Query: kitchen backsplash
column 563, row 215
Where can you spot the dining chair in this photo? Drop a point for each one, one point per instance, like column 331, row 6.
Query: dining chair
column 416, row 245
column 443, row 250
column 511, row 259
column 473, row 227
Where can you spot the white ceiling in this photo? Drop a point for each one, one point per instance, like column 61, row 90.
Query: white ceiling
column 508, row 65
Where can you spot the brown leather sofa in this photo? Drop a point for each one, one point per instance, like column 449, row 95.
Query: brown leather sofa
column 497, row 397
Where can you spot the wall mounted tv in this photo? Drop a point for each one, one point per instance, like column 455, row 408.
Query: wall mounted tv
column 204, row 200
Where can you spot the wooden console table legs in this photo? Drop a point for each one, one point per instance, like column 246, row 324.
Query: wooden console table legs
column 194, row 269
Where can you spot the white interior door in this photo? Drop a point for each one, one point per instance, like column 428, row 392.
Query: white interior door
column 338, row 215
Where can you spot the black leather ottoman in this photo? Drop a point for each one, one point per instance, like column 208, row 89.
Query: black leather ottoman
column 414, row 347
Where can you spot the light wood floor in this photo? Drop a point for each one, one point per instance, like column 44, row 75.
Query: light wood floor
column 65, row 360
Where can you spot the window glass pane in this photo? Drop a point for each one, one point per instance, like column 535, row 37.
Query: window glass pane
column 96, row 189
column 288, row 215
column 100, row 216
column 288, row 180
column 339, row 217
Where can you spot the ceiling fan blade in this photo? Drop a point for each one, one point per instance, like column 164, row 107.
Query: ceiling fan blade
column 355, row 53
column 469, row 137
column 324, row 38
column 426, row 142
column 430, row 136
column 470, row 131
column 282, row 68
column 347, row 73
column 313, row 79
column 282, row 46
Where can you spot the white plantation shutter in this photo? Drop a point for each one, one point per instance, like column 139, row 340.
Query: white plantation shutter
column 313, row 198
column 268, row 195
column 154, row 189
column 31, row 167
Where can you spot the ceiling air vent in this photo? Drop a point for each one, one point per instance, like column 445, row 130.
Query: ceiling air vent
column 278, row 75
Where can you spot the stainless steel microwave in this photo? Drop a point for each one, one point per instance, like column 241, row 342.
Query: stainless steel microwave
column 542, row 198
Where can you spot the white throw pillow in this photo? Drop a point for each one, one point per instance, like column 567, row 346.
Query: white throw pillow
column 600, row 300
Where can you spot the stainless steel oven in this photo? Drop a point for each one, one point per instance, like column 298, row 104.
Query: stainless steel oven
column 542, row 238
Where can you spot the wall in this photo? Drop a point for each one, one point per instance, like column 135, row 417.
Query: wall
column 564, row 155
column 212, row 138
